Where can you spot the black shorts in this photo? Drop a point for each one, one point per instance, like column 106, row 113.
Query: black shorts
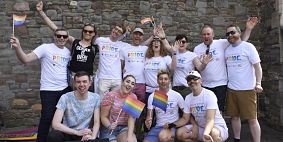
column 221, row 94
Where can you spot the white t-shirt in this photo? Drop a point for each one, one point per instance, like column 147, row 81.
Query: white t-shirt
column 240, row 60
column 109, row 66
column 174, row 102
column 134, row 57
column 54, row 61
column 215, row 72
column 184, row 66
column 151, row 68
column 198, row 105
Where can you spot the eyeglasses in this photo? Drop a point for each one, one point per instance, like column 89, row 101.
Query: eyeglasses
column 231, row 32
column 60, row 36
column 120, row 31
column 183, row 41
column 195, row 78
column 87, row 31
column 89, row 24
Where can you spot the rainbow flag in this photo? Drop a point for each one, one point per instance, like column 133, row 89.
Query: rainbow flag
column 160, row 100
column 28, row 134
column 146, row 21
column 133, row 106
column 19, row 20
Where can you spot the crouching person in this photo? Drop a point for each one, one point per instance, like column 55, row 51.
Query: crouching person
column 202, row 104
column 76, row 108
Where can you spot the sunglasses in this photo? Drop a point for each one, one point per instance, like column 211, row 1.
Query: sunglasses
column 60, row 36
column 195, row 78
column 231, row 32
column 89, row 24
column 207, row 50
column 183, row 41
column 87, row 31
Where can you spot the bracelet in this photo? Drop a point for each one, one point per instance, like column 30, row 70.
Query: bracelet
column 174, row 54
column 109, row 126
column 124, row 35
column 257, row 83
column 162, row 38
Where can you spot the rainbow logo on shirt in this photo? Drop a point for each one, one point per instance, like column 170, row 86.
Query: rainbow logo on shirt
column 233, row 58
column 197, row 109
column 60, row 59
column 135, row 54
column 154, row 64
column 108, row 48
column 181, row 61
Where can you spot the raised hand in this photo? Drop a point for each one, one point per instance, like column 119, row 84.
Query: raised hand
column 251, row 22
column 176, row 46
column 39, row 6
column 14, row 41
column 206, row 59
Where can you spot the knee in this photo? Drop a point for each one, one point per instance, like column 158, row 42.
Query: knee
column 215, row 134
column 235, row 118
column 252, row 121
column 164, row 136
column 179, row 134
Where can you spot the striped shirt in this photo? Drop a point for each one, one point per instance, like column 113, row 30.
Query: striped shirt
column 116, row 101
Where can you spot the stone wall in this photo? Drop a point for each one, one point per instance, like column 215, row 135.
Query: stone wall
column 19, row 83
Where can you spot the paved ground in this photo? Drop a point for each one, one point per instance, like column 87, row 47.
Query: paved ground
column 268, row 134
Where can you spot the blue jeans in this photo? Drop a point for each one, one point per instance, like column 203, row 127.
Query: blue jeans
column 105, row 132
column 49, row 101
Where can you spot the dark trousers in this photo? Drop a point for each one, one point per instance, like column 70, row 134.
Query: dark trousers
column 49, row 100
column 58, row 136
column 221, row 94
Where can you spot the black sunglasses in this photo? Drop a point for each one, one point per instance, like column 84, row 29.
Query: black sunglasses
column 207, row 50
column 87, row 31
column 231, row 32
column 64, row 36
column 183, row 41
column 192, row 78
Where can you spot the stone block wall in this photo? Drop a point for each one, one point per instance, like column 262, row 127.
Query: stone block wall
column 19, row 83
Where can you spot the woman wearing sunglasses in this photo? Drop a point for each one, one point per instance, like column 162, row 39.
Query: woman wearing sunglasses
column 186, row 62
column 82, row 51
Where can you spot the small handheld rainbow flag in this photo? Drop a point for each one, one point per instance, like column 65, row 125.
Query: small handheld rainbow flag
column 133, row 106
column 160, row 100
column 146, row 21
column 19, row 20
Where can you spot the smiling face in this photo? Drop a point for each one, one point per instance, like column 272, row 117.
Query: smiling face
column 116, row 32
column 183, row 45
column 137, row 38
column 60, row 38
column 82, row 84
column 233, row 35
column 156, row 44
column 88, row 32
column 163, row 81
column 207, row 35
column 194, row 82
column 128, row 84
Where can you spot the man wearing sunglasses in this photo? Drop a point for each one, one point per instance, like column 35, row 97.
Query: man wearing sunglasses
column 215, row 74
column 54, row 59
column 244, row 75
column 202, row 104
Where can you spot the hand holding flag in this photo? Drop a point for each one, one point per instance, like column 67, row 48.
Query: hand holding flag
column 160, row 100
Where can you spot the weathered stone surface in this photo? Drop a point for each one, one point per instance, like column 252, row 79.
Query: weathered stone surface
column 220, row 4
column 36, row 107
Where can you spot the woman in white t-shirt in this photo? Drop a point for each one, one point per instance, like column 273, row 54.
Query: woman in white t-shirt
column 156, row 59
column 186, row 62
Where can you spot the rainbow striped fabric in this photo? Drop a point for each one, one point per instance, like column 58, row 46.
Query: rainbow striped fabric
column 19, row 20
column 133, row 106
column 146, row 21
column 160, row 100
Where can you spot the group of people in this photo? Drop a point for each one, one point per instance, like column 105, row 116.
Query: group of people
column 196, row 99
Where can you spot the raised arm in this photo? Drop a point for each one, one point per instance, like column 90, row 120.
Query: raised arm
column 250, row 24
column 200, row 66
column 57, row 125
column 162, row 36
column 23, row 57
column 48, row 21
column 174, row 49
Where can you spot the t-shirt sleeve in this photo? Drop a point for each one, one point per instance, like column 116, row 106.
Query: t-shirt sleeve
column 97, row 41
column 97, row 101
column 194, row 55
column 40, row 51
column 211, row 101
column 62, row 103
column 187, row 104
column 107, row 100
column 224, row 43
column 253, row 54
column 149, row 102
column 122, row 54
column 180, row 101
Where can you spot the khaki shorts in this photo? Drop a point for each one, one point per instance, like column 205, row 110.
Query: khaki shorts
column 242, row 103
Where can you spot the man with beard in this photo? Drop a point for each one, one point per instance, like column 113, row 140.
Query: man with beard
column 54, row 59
column 244, row 75
column 76, row 109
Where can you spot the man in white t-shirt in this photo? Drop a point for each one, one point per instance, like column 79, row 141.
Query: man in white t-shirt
column 215, row 74
column 132, row 61
column 202, row 104
column 244, row 81
column 54, row 59
column 75, row 111
column 174, row 103
column 109, row 66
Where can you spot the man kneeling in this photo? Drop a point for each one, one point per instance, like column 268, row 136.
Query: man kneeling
column 76, row 108
column 202, row 104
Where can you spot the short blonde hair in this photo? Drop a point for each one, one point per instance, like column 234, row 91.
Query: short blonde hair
column 163, row 71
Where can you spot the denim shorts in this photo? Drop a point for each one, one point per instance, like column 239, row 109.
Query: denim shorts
column 105, row 133
column 153, row 133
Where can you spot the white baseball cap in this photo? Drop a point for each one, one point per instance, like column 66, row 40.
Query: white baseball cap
column 138, row 30
column 193, row 73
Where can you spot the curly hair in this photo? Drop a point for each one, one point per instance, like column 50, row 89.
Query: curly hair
column 150, row 53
